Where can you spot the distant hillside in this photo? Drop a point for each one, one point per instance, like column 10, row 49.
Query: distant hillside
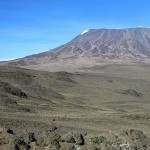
column 114, row 45
column 35, row 100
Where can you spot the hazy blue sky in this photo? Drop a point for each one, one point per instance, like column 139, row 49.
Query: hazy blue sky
column 33, row 26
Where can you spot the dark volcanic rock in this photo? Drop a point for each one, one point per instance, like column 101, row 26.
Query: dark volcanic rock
column 73, row 137
column 137, row 139
column 21, row 145
column 30, row 138
column 132, row 92
column 12, row 90
column 128, row 140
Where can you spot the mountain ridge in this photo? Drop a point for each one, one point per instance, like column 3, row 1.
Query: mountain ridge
column 114, row 45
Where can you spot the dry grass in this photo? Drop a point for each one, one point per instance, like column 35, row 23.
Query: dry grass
column 87, row 102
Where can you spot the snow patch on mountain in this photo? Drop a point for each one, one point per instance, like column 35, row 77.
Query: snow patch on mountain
column 85, row 31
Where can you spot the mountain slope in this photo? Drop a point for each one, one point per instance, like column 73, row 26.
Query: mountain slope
column 126, row 45
column 33, row 100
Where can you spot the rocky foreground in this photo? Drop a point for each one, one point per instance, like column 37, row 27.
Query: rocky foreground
column 50, row 140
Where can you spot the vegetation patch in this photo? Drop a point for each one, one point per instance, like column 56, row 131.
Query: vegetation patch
column 98, row 140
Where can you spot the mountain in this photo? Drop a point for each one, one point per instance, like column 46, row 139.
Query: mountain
column 95, row 45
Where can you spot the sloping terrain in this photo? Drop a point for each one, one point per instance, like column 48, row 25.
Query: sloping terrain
column 92, row 47
column 43, row 110
column 33, row 100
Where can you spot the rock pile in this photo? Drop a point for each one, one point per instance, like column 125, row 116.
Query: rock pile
column 127, row 140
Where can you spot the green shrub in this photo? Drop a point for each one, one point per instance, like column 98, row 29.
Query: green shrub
column 98, row 140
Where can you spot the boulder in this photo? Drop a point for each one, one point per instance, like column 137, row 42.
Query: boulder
column 68, row 138
column 30, row 138
column 33, row 145
column 78, row 138
column 136, row 138
column 73, row 137
column 20, row 144
column 2, row 130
